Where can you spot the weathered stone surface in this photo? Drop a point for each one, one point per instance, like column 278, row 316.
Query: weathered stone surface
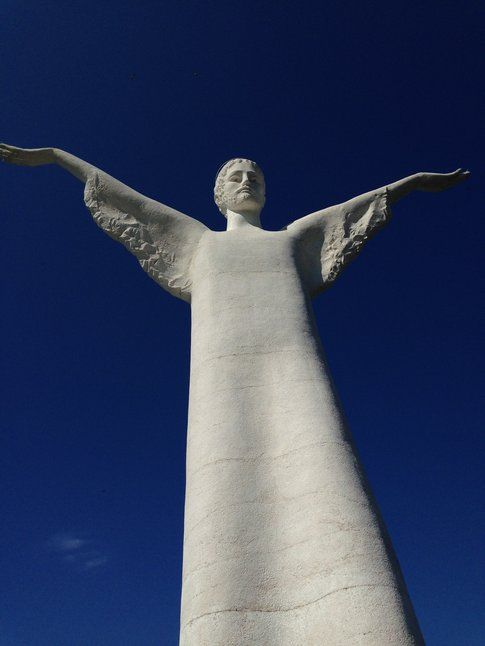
column 284, row 545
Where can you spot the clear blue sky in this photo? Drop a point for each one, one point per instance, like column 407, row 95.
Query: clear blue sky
column 332, row 99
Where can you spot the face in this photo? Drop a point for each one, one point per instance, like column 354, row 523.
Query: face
column 244, row 188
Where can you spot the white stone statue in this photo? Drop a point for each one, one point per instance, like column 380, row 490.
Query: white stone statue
column 284, row 544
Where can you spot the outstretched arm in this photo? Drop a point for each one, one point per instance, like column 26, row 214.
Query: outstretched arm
column 331, row 238
column 163, row 239
column 42, row 156
column 432, row 182
column 121, row 196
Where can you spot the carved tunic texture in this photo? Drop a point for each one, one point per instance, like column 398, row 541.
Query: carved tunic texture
column 283, row 543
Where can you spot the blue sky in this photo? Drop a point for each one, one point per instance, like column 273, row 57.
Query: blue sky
column 332, row 100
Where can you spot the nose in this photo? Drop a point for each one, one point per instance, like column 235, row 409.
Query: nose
column 246, row 180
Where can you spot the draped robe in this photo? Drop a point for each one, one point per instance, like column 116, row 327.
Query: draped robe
column 283, row 543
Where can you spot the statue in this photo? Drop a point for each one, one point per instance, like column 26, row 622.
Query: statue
column 283, row 542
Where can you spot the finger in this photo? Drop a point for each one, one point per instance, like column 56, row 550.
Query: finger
column 9, row 155
column 11, row 158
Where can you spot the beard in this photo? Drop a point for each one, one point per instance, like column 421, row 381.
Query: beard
column 245, row 200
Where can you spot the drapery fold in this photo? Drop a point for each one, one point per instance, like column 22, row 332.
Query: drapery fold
column 163, row 239
column 331, row 238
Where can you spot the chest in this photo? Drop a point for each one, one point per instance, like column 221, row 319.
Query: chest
column 247, row 294
column 244, row 252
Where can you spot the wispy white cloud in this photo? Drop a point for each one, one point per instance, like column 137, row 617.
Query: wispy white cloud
column 96, row 562
column 79, row 551
column 66, row 542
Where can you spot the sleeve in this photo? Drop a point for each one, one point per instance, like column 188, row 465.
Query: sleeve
column 329, row 239
column 163, row 239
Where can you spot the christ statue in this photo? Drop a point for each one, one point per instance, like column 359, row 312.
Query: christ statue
column 283, row 542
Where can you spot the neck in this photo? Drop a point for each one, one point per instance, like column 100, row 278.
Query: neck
column 242, row 220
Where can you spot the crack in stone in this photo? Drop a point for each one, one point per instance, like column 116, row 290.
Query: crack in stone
column 265, row 458
column 277, row 501
column 249, row 353
column 269, row 385
column 341, row 527
column 303, row 605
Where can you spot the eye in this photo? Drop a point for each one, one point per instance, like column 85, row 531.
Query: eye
column 234, row 178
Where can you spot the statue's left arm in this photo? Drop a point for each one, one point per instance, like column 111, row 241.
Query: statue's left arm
column 163, row 239
column 329, row 239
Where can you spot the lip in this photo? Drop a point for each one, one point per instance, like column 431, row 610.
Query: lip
column 245, row 189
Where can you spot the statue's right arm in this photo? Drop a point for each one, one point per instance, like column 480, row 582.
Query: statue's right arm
column 121, row 196
column 163, row 239
column 42, row 156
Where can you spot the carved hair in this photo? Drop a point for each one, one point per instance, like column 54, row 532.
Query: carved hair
column 221, row 178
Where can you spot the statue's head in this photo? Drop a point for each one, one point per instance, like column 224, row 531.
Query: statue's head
column 239, row 187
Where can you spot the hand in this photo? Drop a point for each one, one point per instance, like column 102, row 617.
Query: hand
column 440, row 181
column 26, row 156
